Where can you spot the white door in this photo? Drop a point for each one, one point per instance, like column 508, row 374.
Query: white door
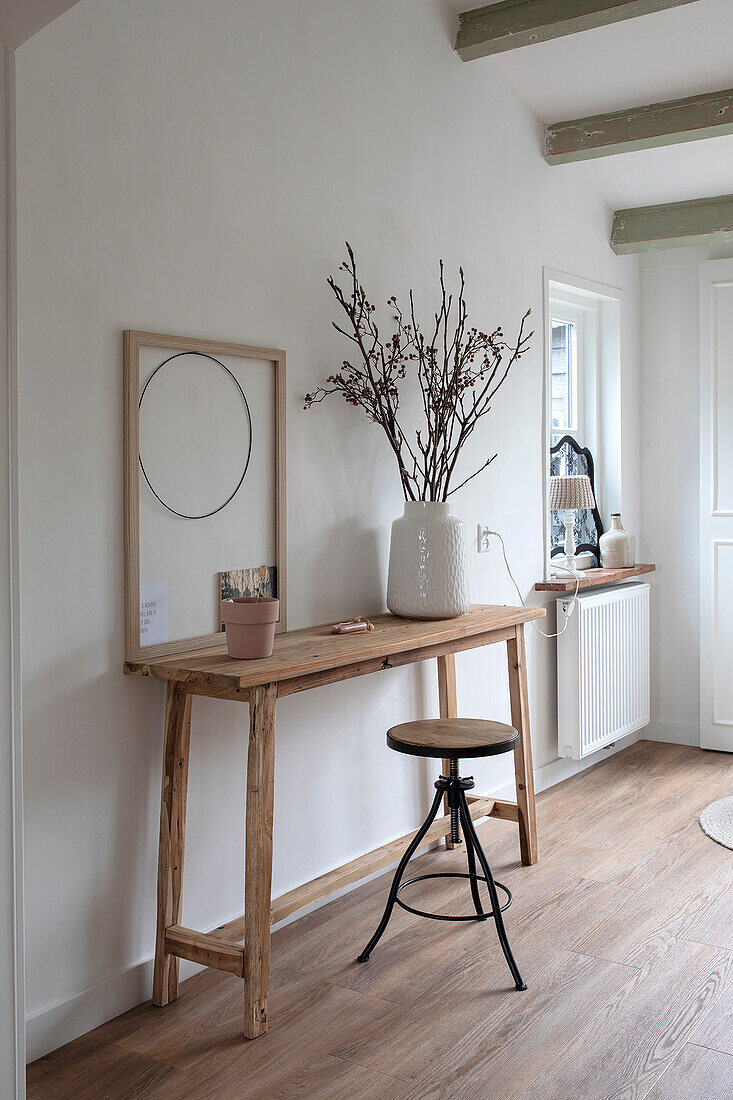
column 716, row 505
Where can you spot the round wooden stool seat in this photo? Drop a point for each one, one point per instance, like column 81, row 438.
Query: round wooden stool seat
column 453, row 738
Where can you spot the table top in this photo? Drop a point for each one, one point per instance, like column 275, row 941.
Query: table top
column 303, row 653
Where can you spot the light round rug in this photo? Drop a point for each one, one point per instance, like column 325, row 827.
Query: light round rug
column 717, row 821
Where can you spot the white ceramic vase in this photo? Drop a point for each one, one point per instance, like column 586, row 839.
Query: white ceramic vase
column 617, row 546
column 428, row 573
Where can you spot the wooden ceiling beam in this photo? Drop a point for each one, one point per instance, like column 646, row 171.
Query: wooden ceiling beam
column 668, row 123
column 513, row 23
column 673, row 225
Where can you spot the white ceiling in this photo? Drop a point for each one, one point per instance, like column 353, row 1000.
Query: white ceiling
column 673, row 53
column 19, row 19
column 678, row 52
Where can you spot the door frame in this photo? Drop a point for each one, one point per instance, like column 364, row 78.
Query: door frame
column 12, row 1077
column 716, row 524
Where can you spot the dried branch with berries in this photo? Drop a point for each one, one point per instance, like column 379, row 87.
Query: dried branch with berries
column 458, row 371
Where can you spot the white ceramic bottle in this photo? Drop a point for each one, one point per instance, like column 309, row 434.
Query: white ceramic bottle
column 428, row 573
column 617, row 546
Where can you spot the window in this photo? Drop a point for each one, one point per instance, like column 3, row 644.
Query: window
column 582, row 324
column 564, row 378
column 568, row 367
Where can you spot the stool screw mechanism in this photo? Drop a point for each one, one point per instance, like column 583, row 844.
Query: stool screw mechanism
column 455, row 828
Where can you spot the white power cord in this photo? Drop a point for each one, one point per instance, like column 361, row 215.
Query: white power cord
column 563, row 569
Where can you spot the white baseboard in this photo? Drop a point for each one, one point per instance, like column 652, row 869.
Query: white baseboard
column 53, row 1026
column 57, row 1024
column 558, row 770
column 674, row 733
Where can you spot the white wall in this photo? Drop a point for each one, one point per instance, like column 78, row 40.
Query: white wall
column 670, row 409
column 11, row 1042
column 194, row 168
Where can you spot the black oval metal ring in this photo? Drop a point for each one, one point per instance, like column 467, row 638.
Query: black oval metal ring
column 230, row 498
column 451, row 874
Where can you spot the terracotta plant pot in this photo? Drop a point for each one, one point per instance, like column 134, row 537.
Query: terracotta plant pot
column 250, row 625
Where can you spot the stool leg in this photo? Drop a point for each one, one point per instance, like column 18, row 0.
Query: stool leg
column 470, row 834
column 472, row 871
column 412, row 848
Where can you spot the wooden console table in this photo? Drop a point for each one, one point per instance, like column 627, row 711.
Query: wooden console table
column 305, row 659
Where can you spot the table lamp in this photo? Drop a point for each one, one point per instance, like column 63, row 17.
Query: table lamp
column 567, row 494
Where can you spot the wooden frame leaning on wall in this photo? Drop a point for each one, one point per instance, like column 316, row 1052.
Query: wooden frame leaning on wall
column 133, row 341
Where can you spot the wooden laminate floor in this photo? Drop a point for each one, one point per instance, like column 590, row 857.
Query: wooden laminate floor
column 623, row 931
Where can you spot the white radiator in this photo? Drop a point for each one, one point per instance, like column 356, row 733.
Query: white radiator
column 602, row 669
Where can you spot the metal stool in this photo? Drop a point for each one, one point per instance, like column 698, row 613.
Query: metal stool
column 452, row 739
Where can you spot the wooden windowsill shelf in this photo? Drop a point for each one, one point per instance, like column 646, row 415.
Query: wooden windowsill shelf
column 594, row 578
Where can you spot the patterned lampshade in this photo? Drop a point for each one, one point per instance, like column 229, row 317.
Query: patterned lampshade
column 570, row 493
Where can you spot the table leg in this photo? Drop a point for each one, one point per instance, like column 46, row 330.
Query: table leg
column 258, row 857
column 517, row 660
column 448, row 703
column 172, row 842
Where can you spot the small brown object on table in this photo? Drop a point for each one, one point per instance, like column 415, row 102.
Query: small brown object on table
column 593, row 578
column 305, row 659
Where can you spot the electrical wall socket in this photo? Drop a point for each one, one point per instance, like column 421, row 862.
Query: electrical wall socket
column 482, row 539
